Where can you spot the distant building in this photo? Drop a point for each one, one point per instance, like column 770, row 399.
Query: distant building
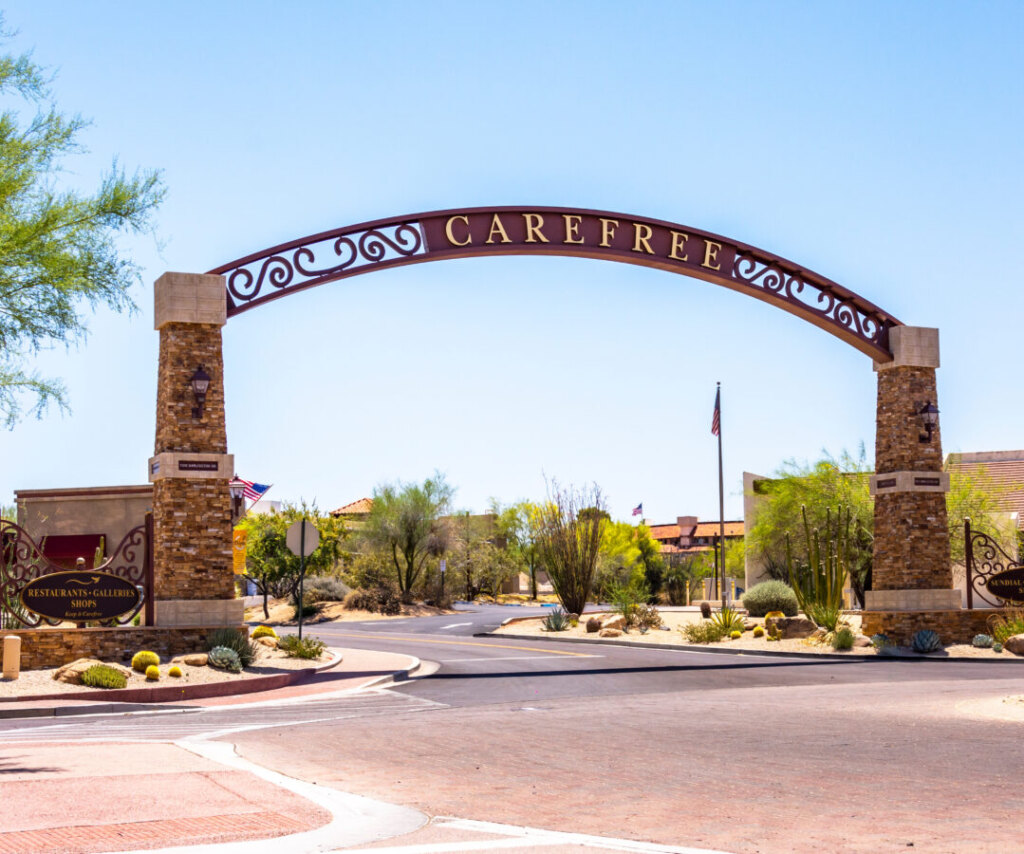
column 689, row 537
column 1005, row 469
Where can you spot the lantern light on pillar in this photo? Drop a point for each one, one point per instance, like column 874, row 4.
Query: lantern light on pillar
column 200, row 384
column 928, row 415
column 237, row 490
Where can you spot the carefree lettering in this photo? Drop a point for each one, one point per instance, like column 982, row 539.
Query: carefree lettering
column 499, row 229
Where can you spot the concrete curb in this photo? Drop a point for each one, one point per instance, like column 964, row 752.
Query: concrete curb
column 811, row 656
column 140, row 699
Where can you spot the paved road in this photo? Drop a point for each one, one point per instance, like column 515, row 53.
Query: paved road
column 745, row 754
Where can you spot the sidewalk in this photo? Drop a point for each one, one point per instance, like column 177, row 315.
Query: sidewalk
column 98, row 796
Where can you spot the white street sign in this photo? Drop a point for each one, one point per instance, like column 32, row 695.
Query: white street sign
column 293, row 539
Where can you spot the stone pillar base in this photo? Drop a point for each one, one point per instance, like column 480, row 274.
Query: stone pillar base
column 211, row 613
column 958, row 626
column 912, row 600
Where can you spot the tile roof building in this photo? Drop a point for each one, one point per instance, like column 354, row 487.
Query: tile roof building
column 1005, row 469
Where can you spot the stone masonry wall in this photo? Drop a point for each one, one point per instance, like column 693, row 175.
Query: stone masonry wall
column 192, row 543
column 911, row 534
column 951, row 626
column 183, row 348
column 56, row 647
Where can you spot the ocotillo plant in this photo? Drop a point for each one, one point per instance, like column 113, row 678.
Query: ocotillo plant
column 819, row 590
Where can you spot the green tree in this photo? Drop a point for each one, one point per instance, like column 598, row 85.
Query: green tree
column 569, row 542
column 405, row 524
column 58, row 247
column 519, row 525
column 270, row 564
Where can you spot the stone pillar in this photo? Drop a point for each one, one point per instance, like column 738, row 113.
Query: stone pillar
column 191, row 468
column 912, row 569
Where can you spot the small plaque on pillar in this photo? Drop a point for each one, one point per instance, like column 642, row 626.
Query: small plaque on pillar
column 191, row 466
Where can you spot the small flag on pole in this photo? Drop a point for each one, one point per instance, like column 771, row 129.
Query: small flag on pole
column 716, row 418
column 253, row 491
column 639, row 509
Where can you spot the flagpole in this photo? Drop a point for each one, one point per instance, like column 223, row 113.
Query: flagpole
column 721, row 497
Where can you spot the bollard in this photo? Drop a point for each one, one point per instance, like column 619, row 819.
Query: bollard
column 12, row 656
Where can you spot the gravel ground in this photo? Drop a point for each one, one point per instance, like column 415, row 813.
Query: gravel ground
column 269, row 662
column 676, row 619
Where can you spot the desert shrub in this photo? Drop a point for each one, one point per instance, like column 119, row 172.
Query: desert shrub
column 556, row 621
column 926, row 640
column 982, row 641
column 627, row 599
column 175, row 672
column 842, row 638
column 758, row 631
column 311, row 605
column 770, row 596
column 234, row 639
column 879, row 641
column 102, row 676
column 705, row 610
column 379, row 600
column 326, row 588
column 647, row 617
column 1007, row 625
column 143, row 659
column 263, row 632
column 728, row 619
column 225, row 658
column 703, row 632
column 307, row 647
column 152, row 673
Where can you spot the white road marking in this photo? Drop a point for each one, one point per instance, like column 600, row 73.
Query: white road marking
column 455, row 626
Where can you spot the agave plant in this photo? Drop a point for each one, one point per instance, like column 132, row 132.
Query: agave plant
column 728, row 620
column 556, row 621
column 926, row 641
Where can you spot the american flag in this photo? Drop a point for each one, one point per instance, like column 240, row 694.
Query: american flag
column 716, row 418
column 253, row 491
column 639, row 509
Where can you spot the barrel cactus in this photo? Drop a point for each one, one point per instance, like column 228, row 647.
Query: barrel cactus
column 144, row 659
column 263, row 632
column 225, row 659
column 926, row 641
column 982, row 641
column 152, row 673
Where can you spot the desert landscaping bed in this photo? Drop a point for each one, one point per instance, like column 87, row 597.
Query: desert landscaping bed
column 674, row 620
column 269, row 662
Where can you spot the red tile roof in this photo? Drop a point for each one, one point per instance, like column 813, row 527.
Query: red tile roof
column 665, row 532
column 361, row 507
column 711, row 529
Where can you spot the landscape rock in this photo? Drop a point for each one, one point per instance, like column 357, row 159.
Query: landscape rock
column 197, row 659
column 267, row 641
column 1015, row 645
column 748, row 625
column 795, row 627
column 609, row 633
column 72, row 673
column 819, row 634
column 593, row 624
column 861, row 641
column 616, row 622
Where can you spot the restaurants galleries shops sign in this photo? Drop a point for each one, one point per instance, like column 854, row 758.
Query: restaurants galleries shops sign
column 79, row 596
column 480, row 232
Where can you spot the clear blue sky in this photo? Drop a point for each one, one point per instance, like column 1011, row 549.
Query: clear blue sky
column 879, row 144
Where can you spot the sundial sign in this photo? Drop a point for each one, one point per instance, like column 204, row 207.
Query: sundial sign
column 1008, row 585
column 78, row 596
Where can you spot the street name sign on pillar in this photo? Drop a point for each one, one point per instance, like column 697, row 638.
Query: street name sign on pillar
column 302, row 539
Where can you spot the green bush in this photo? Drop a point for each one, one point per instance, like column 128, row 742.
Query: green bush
column 326, row 588
column 1006, row 626
column 143, row 659
column 306, row 647
column 647, row 617
column 703, row 632
column 842, row 638
column 152, row 673
column 102, row 676
column 225, row 658
column 627, row 599
column 379, row 600
column 770, row 596
column 234, row 639
column 263, row 632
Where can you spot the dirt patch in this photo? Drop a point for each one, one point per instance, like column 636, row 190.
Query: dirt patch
column 281, row 612
column 268, row 662
column 675, row 620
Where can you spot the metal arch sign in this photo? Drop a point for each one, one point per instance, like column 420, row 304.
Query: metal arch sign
column 481, row 232
column 79, row 596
